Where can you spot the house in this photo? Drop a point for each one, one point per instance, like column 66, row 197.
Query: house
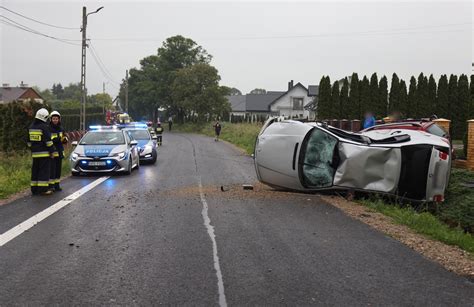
column 297, row 102
column 9, row 94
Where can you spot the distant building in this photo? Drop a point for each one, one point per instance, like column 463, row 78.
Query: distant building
column 20, row 93
column 297, row 102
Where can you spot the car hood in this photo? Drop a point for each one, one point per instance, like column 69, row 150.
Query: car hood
column 99, row 150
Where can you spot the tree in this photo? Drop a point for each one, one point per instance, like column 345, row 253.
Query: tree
column 234, row 91
column 324, row 98
column 381, row 109
column 442, row 97
column 403, row 99
column 57, row 90
column 344, row 100
column 196, row 90
column 335, row 101
column 100, row 100
column 354, row 99
column 72, row 92
column 394, row 98
column 371, row 104
column 411, row 105
column 431, row 102
column 452, row 96
column 421, row 98
column 258, row 91
column 364, row 97
column 460, row 108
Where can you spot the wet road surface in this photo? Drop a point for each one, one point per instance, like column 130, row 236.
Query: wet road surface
column 168, row 235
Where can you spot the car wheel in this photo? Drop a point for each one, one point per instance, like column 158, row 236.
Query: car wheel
column 138, row 164
column 129, row 169
column 153, row 161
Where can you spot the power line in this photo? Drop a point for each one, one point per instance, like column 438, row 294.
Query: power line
column 94, row 51
column 40, row 22
column 396, row 31
column 102, row 68
column 19, row 26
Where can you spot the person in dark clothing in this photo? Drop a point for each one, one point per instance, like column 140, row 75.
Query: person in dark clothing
column 41, row 145
column 58, row 138
column 217, row 130
column 159, row 134
column 170, row 123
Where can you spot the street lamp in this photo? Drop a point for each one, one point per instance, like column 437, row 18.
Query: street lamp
column 83, row 65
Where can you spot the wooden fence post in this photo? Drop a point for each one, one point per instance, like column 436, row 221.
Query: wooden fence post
column 443, row 123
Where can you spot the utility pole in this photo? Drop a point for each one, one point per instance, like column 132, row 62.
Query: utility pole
column 82, row 125
column 126, row 91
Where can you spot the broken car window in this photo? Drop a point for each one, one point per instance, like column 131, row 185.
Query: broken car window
column 318, row 168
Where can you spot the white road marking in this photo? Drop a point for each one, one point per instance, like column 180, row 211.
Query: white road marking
column 35, row 219
column 210, row 231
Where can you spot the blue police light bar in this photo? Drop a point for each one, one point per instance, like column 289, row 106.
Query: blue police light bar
column 99, row 127
column 134, row 125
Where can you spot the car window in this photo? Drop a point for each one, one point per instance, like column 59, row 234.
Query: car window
column 140, row 134
column 103, row 138
column 436, row 130
column 318, row 163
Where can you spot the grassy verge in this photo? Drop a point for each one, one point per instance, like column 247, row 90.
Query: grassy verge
column 451, row 222
column 15, row 172
column 241, row 135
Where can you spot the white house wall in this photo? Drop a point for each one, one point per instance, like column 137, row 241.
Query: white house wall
column 284, row 104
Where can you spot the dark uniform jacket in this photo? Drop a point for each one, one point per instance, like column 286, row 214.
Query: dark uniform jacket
column 57, row 138
column 39, row 139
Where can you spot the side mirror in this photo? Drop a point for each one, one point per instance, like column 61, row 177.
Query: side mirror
column 154, row 137
column 133, row 143
column 74, row 143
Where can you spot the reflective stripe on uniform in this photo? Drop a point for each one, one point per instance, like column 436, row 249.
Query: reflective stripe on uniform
column 54, row 135
column 49, row 143
column 60, row 134
column 34, row 183
column 43, row 184
column 55, row 154
column 35, row 134
column 40, row 154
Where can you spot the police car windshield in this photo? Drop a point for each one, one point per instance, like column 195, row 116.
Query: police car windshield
column 103, row 138
column 140, row 134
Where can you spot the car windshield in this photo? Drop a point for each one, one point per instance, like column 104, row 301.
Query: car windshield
column 140, row 134
column 318, row 164
column 103, row 138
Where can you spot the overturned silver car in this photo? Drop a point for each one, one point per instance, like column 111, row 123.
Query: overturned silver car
column 413, row 165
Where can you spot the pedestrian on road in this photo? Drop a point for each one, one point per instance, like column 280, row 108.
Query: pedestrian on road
column 41, row 145
column 369, row 120
column 217, row 129
column 170, row 122
column 58, row 138
column 159, row 134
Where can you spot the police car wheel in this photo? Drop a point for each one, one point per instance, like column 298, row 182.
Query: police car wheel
column 129, row 169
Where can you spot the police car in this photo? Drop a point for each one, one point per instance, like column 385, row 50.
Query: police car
column 146, row 142
column 105, row 149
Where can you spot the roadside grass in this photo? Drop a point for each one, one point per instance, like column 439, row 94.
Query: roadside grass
column 242, row 135
column 15, row 172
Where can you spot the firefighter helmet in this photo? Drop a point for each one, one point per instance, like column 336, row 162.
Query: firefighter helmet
column 42, row 114
column 54, row 113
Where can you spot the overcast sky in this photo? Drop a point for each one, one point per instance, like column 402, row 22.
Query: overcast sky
column 263, row 44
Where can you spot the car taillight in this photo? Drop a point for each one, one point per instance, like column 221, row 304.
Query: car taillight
column 443, row 155
column 438, row 198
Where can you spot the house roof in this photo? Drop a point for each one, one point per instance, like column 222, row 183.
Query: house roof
column 313, row 90
column 237, row 102
column 284, row 93
column 261, row 102
column 9, row 94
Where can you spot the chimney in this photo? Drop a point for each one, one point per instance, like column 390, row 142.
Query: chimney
column 290, row 85
column 23, row 84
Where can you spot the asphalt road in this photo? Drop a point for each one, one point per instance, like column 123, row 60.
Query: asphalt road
column 142, row 240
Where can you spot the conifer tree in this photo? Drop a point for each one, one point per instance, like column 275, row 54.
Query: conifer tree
column 471, row 104
column 372, row 102
column 335, row 101
column 452, row 95
column 354, row 99
column 442, row 97
column 421, row 97
column 431, row 95
column 411, row 105
column 364, row 94
column 403, row 99
column 324, row 99
column 383, row 97
column 394, row 99
column 460, row 108
column 344, row 100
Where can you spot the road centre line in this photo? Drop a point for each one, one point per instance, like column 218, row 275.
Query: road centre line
column 35, row 219
column 210, row 231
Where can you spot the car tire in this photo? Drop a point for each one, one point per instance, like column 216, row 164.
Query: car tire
column 129, row 169
column 153, row 161
column 138, row 164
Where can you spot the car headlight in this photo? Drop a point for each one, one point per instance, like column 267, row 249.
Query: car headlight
column 120, row 155
column 74, row 156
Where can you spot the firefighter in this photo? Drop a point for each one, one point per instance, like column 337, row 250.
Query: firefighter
column 58, row 138
column 41, row 145
column 159, row 134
